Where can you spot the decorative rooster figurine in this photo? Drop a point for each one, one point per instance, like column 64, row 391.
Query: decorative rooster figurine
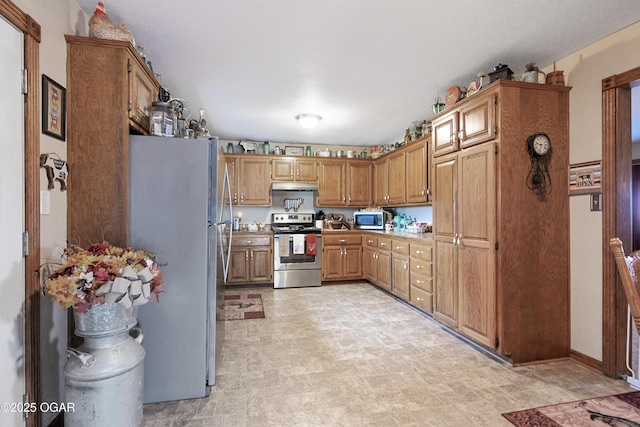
column 100, row 26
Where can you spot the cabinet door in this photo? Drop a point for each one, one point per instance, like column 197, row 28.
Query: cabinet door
column 381, row 178
column 445, row 134
column 261, row 264
column 384, row 269
column 232, row 166
column 445, row 237
column 306, row 170
column 417, row 173
column 142, row 92
column 359, row 184
column 283, row 169
column 397, row 178
column 477, row 120
column 254, row 185
column 331, row 262
column 330, row 184
column 238, row 265
column 476, row 243
column 400, row 278
column 352, row 262
column 371, row 264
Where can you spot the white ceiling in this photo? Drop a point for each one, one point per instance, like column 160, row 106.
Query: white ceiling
column 368, row 67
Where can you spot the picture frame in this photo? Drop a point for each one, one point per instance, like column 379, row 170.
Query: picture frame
column 54, row 108
column 585, row 178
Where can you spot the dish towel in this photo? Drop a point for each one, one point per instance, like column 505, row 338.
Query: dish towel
column 312, row 246
column 298, row 244
column 283, row 245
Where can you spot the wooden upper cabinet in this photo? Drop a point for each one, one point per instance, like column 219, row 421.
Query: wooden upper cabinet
column 417, row 173
column 476, row 119
column 359, row 184
column 331, row 181
column 253, row 184
column 290, row 169
column 397, row 175
column 445, row 133
column 142, row 92
column 380, row 182
column 473, row 122
column 100, row 91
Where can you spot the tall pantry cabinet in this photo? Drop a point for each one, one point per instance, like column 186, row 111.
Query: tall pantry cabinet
column 109, row 94
column 502, row 250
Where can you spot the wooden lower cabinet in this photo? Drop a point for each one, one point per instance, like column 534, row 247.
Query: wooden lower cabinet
column 400, row 268
column 421, row 276
column 342, row 256
column 251, row 259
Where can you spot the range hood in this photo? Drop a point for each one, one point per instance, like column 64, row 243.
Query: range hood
column 294, row 186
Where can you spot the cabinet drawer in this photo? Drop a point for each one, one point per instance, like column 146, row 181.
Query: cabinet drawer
column 371, row 241
column 421, row 299
column 341, row 239
column 400, row 247
column 423, row 282
column 421, row 267
column 251, row 241
column 384, row 243
column 421, row 251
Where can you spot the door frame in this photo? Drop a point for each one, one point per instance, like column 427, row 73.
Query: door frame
column 616, row 213
column 32, row 34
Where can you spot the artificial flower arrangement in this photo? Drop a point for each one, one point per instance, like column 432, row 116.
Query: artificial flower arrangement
column 105, row 273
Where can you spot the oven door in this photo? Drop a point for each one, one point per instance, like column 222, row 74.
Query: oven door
column 294, row 251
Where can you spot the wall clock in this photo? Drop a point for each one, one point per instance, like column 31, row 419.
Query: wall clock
column 539, row 149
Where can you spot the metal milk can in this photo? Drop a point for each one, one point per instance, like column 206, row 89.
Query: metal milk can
column 104, row 378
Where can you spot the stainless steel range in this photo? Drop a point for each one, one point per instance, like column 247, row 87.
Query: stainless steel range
column 297, row 250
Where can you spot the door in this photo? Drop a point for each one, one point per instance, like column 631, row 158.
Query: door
column 359, row 178
column 397, row 178
column 417, row 179
column 331, row 183
column 445, row 238
column 254, row 183
column 476, row 243
column 12, row 226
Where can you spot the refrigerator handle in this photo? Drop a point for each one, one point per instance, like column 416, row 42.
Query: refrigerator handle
column 226, row 185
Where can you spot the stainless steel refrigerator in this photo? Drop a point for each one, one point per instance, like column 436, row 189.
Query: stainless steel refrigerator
column 178, row 211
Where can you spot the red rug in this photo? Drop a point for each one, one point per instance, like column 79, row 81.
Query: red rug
column 240, row 307
column 618, row 410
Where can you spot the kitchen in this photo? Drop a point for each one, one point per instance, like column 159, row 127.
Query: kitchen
column 583, row 240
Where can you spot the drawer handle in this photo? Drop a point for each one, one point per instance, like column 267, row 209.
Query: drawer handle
column 419, row 281
column 404, row 266
column 342, row 241
column 369, row 241
column 419, row 252
column 399, row 247
column 249, row 242
column 383, row 244
column 418, row 266
column 419, row 299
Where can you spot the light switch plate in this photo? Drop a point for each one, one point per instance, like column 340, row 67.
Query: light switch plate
column 596, row 202
column 45, row 202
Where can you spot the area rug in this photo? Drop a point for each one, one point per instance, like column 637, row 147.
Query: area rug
column 618, row 410
column 241, row 306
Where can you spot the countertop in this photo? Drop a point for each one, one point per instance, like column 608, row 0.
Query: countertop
column 415, row 236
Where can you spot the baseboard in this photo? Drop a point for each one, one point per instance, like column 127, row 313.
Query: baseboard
column 588, row 361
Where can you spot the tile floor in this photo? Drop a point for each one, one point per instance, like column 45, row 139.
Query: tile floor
column 352, row 355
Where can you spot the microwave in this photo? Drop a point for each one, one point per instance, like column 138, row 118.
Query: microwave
column 370, row 220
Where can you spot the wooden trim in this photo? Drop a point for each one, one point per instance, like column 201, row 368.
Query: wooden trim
column 616, row 215
column 588, row 361
column 31, row 30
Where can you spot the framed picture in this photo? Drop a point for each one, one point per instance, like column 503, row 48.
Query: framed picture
column 54, row 108
column 585, row 178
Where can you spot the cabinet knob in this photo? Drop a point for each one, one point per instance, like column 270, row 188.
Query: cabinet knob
column 404, row 266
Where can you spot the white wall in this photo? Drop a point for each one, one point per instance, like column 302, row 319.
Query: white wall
column 584, row 71
column 56, row 18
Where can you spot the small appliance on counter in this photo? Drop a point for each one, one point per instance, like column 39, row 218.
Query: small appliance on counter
column 371, row 219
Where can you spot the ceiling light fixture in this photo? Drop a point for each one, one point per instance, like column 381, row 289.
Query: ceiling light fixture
column 308, row 120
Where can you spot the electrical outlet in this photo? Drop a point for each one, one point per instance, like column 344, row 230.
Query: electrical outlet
column 596, row 202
